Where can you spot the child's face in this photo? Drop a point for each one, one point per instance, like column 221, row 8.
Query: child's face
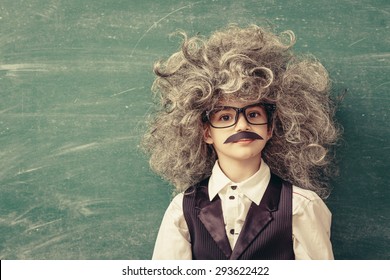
column 244, row 149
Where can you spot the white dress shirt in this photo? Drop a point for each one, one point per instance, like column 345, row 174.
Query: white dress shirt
column 310, row 224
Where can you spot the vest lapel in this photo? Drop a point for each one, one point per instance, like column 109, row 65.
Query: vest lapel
column 258, row 217
column 212, row 218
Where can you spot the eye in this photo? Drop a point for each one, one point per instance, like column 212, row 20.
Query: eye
column 254, row 115
column 225, row 118
column 222, row 115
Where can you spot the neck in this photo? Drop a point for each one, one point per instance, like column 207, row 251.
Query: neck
column 239, row 171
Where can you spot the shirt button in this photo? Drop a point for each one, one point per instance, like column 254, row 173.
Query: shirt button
column 234, row 188
column 231, row 197
column 232, row 231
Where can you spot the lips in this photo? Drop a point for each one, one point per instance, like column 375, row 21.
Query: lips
column 243, row 136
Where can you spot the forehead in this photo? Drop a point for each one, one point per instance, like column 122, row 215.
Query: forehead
column 235, row 103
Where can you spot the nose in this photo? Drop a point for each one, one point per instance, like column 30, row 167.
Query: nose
column 242, row 124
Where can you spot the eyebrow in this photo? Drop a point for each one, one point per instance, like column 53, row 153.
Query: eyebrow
column 229, row 106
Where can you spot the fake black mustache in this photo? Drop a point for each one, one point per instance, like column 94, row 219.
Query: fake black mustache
column 243, row 135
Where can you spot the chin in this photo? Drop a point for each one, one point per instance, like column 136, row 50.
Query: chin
column 246, row 157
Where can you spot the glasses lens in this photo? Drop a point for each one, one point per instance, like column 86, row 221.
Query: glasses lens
column 222, row 117
column 256, row 114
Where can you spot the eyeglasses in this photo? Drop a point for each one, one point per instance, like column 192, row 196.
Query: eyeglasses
column 227, row 116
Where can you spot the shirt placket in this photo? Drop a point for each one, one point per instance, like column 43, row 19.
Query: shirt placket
column 232, row 209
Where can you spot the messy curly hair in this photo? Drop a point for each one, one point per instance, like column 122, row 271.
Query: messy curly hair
column 244, row 64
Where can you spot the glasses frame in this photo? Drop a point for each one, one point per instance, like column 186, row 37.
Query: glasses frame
column 269, row 108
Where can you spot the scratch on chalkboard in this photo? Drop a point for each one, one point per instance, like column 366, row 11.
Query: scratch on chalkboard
column 77, row 148
column 122, row 92
column 154, row 25
column 21, row 217
column 82, row 207
column 8, row 109
column 376, row 9
column 51, row 241
column 29, row 170
column 386, row 83
column 50, row 10
column 23, row 67
column 358, row 41
column 35, row 227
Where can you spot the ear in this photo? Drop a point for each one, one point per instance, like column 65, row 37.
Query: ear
column 270, row 132
column 207, row 135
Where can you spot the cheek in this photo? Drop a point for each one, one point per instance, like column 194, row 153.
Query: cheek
column 217, row 138
column 264, row 132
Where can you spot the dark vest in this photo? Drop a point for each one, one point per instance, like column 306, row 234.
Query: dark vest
column 266, row 233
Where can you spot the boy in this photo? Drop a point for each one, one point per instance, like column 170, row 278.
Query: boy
column 243, row 123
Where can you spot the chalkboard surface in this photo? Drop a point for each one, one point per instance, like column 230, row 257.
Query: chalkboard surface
column 75, row 81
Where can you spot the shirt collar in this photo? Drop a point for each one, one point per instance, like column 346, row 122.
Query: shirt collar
column 253, row 187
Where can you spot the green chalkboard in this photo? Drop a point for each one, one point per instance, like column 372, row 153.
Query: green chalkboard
column 75, row 80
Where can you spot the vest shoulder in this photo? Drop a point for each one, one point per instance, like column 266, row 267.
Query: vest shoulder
column 277, row 178
column 202, row 184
